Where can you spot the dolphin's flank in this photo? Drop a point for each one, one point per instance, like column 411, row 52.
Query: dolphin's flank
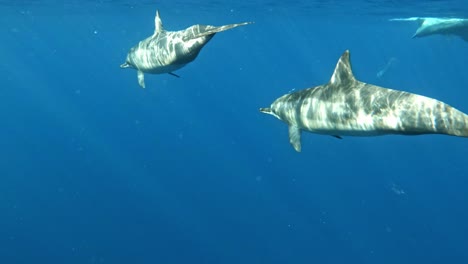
column 347, row 107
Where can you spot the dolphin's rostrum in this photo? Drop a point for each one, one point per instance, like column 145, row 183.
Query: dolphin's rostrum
column 347, row 107
column 167, row 51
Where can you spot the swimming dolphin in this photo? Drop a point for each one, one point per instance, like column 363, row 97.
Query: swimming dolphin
column 443, row 26
column 167, row 51
column 347, row 107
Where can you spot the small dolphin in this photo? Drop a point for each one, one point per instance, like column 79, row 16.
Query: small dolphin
column 347, row 107
column 167, row 51
column 443, row 26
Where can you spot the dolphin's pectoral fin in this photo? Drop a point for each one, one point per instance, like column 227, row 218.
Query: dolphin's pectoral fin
column 337, row 137
column 173, row 74
column 295, row 137
column 141, row 79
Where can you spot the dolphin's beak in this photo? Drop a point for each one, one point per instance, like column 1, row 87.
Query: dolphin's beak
column 124, row 65
column 269, row 111
column 266, row 110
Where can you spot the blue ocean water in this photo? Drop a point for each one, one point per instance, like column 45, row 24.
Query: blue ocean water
column 95, row 169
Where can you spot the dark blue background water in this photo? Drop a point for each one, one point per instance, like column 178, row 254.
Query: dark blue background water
column 94, row 169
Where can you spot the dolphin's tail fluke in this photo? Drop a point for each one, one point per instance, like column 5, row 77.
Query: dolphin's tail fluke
column 210, row 30
column 227, row 27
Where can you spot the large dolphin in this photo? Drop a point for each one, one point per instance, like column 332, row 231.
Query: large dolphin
column 167, row 51
column 347, row 107
column 443, row 26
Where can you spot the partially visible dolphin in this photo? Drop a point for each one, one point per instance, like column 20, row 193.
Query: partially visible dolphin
column 443, row 26
column 167, row 51
column 347, row 107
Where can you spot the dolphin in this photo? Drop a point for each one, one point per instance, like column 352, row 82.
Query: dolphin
column 166, row 51
column 443, row 26
column 348, row 107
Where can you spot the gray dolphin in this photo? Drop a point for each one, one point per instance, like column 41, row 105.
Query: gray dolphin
column 442, row 26
column 347, row 107
column 167, row 51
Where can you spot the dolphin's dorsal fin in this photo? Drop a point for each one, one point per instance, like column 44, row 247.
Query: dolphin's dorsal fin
column 421, row 20
column 158, row 26
column 343, row 73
